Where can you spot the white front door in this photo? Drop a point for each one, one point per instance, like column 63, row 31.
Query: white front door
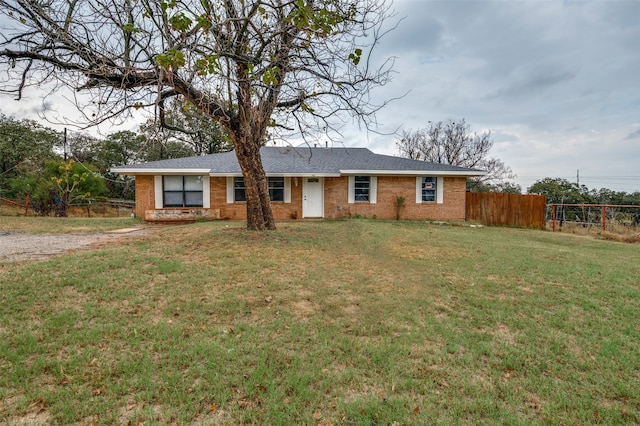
column 312, row 197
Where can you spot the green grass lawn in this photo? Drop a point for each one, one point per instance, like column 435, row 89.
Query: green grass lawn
column 56, row 225
column 347, row 322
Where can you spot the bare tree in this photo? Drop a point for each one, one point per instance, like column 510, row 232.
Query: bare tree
column 454, row 143
column 288, row 65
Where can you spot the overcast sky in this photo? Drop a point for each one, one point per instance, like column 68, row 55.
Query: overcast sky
column 556, row 82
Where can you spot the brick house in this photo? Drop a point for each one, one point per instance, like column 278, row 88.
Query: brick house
column 303, row 183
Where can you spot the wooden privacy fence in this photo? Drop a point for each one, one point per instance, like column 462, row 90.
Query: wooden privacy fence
column 502, row 209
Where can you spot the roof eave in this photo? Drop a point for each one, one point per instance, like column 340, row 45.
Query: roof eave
column 132, row 171
column 414, row 172
column 279, row 174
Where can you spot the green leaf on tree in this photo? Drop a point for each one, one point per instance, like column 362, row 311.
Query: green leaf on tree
column 270, row 76
column 180, row 22
column 172, row 59
column 355, row 56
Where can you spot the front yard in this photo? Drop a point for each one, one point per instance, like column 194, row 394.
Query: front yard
column 343, row 322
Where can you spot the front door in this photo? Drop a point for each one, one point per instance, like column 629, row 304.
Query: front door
column 312, row 197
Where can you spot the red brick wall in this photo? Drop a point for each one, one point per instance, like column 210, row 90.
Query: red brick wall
column 218, row 190
column 452, row 207
column 238, row 211
column 388, row 188
column 336, row 199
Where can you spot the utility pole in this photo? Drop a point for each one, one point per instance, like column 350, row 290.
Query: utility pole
column 64, row 148
column 578, row 178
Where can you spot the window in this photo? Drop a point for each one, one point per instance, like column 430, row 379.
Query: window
column 239, row 190
column 182, row 191
column 276, row 189
column 362, row 186
column 428, row 188
column 362, row 189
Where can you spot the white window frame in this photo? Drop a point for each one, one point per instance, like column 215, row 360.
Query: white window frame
column 439, row 190
column 373, row 190
column 158, row 191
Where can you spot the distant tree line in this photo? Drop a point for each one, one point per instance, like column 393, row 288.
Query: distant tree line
column 55, row 169
column 559, row 190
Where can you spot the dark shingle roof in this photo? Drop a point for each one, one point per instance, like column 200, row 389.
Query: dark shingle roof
column 301, row 161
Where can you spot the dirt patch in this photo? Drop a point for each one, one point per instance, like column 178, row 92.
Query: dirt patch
column 16, row 245
column 36, row 413
column 303, row 309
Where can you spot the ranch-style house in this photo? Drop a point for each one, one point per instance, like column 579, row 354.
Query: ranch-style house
column 304, row 183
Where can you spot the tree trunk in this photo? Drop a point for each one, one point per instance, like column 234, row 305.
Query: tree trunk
column 259, row 213
column 63, row 207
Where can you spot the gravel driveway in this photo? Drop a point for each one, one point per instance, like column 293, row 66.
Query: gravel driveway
column 18, row 245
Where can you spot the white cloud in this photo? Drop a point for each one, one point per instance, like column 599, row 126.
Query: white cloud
column 556, row 82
